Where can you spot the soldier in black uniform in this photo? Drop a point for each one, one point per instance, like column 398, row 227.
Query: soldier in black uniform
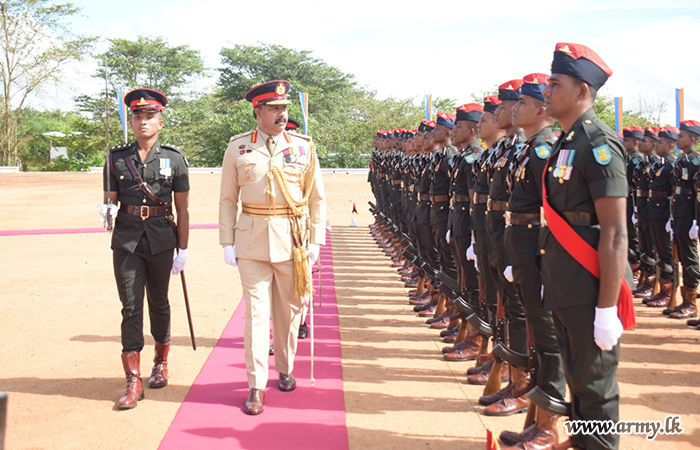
column 521, row 243
column 683, row 213
column 647, row 147
column 143, row 239
column 630, row 140
column 659, row 201
column 585, row 186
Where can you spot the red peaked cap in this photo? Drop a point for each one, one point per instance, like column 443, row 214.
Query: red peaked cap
column 292, row 124
column 469, row 111
column 140, row 100
column 633, row 132
column 446, row 119
column 669, row 133
column 271, row 93
column 510, row 90
column 652, row 132
column 491, row 103
column 692, row 126
column 579, row 61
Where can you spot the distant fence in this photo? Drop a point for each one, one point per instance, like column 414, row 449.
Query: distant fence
column 218, row 170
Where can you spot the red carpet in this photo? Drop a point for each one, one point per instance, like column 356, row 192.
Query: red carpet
column 310, row 417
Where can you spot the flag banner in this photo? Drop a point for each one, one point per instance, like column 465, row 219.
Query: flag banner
column 618, row 114
column 679, row 107
column 122, row 113
column 304, row 104
column 428, row 106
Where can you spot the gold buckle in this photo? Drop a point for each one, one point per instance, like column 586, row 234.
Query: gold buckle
column 145, row 215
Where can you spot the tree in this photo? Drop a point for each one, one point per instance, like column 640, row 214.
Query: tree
column 36, row 46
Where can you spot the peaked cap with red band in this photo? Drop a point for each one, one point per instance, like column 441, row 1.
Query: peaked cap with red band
column 142, row 100
column 581, row 62
column 491, row 103
column 669, row 133
column 633, row 132
column 446, row 119
column 469, row 111
column 510, row 90
column 292, row 124
column 534, row 84
column 271, row 93
column 652, row 132
column 692, row 126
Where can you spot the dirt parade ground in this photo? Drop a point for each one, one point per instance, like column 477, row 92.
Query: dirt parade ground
column 60, row 316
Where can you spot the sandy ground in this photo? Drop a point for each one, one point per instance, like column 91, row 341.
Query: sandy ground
column 59, row 324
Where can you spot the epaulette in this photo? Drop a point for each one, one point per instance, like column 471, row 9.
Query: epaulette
column 171, row 147
column 238, row 136
column 595, row 132
column 119, row 147
column 299, row 135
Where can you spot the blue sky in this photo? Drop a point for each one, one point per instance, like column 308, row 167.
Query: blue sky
column 409, row 48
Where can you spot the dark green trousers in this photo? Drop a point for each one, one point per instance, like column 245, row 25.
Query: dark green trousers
column 135, row 273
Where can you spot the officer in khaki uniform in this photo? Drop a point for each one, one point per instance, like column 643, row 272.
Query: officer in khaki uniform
column 276, row 176
column 143, row 239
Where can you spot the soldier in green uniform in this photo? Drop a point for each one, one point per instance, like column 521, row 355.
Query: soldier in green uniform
column 586, row 188
column 143, row 239
column 659, row 201
column 630, row 140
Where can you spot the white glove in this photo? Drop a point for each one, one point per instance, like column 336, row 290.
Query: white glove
column 634, row 216
column 668, row 226
column 313, row 252
column 230, row 255
column 607, row 328
column 447, row 236
column 693, row 233
column 471, row 256
column 104, row 208
column 508, row 273
column 179, row 261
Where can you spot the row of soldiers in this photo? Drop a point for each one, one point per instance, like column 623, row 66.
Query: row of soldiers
column 464, row 226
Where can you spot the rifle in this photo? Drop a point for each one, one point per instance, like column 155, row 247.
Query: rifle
column 483, row 312
column 493, row 384
column 108, row 221
column 533, row 368
column 673, row 303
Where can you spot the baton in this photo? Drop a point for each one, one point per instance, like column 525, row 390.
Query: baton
column 187, row 307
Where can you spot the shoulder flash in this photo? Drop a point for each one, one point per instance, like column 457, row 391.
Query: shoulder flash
column 299, row 135
column 238, row 136
column 119, row 147
column 595, row 130
column 171, row 147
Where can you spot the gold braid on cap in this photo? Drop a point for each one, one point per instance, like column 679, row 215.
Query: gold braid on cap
column 302, row 271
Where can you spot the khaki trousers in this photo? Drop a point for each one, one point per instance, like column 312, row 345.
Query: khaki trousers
column 268, row 290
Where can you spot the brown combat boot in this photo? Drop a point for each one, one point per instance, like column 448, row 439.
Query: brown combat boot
column 688, row 309
column 545, row 436
column 663, row 298
column 516, row 400
column 134, row 389
column 159, row 374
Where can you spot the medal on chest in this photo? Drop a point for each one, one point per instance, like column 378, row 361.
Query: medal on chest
column 564, row 165
column 166, row 167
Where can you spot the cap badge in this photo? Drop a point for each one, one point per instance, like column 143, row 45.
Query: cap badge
column 142, row 102
column 534, row 81
column 280, row 89
column 565, row 49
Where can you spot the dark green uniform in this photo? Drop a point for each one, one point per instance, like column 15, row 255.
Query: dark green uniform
column 587, row 163
column 143, row 248
column 683, row 209
column 633, row 159
column 522, row 250
column 646, row 242
column 440, row 207
column 659, row 200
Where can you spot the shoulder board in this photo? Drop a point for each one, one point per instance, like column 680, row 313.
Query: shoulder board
column 595, row 130
column 299, row 135
column 119, row 147
column 171, row 147
column 238, row 136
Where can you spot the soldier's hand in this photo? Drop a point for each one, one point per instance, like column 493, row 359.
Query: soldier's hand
column 607, row 328
column 693, row 233
column 179, row 261
column 634, row 216
column 668, row 226
column 508, row 273
column 230, row 255
column 108, row 212
column 313, row 252
column 447, row 236
column 471, row 256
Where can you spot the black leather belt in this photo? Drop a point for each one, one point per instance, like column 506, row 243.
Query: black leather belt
column 496, row 205
column 527, row 219
column 456, row 198
column 144, row 212
column 480, row 198
column 424, row 197
column 660, row 193
column 439, row 198
column 641, row 193
column 580, row 218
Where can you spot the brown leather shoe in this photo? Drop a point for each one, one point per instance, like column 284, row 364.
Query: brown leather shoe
column 255, row 402
column 508, row 406
column 480, row 379
column 487, row 400
column 428, row 312
column 287, row 382
column 484, row 368
column 159, row 374
column 466, row 353
column 546, row 436
column 693, row 322
column 686, row 311
column 134, row 388
column 513, row 438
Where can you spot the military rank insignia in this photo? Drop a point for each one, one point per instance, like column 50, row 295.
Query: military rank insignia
column 166, row 167
column 602, row 155
column 565, row 164
column 542, row 152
